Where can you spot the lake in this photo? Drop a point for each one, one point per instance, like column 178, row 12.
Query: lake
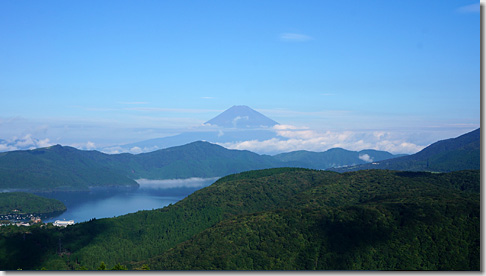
column 111, row 202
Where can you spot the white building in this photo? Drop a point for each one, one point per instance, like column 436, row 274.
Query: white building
column 63, row 223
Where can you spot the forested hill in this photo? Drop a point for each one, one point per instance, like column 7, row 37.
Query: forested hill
column 67, row 168
column 280, row 219
column 60, row 168
column 19, row 203
column 461, row 153
column 198, row 159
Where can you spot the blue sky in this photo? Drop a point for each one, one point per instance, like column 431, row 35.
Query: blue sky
column 107, row 72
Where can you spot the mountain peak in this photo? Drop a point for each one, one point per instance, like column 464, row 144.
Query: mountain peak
column 241, row 116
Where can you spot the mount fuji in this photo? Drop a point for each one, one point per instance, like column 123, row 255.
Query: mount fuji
column 241, row 116
column 237, row 124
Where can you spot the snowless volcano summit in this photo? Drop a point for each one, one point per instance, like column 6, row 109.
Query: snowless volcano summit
column 242, row 116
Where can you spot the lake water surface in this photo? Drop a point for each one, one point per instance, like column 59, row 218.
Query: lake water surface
column 111, row 202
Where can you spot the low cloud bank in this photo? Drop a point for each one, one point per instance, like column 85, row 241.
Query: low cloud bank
column 194, row 182
column 292, row 138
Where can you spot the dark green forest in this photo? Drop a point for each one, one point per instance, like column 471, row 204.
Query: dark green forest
column 26, row 203
column 277, row 219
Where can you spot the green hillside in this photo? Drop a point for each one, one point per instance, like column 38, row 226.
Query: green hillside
column 198, row 159
column 59, row 168
column 370, row 220
column 291, row 219
column 25, row 203
column 66, row 168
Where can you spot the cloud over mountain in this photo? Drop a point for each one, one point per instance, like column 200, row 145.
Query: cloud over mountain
column 291, row 138
column 24, row 143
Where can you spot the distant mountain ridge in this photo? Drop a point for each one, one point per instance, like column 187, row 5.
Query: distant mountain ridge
column 60, row 168
column 335, row 157
column 454, row 154
column 214, row 136
column 66, row 168
column 198, row 159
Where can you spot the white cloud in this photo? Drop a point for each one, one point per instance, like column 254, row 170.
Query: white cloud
column 133, row 150
column 83, row 146
column 113, row 150
column 136, row 150
column 90, row 145
column 294, row 37
column 238, row 118
column 24, row 143
column 294, row 138
column 5, row 147
column 365, row 157
column 194, row 182
column 44, row 143
column 287, row 127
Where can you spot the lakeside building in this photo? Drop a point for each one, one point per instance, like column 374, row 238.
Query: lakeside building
column 63, row 223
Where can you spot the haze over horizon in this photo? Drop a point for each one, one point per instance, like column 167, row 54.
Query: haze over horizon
column 394, row 76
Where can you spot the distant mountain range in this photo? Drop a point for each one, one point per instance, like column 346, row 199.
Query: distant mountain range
column 220, row 135
column 461, row 153
column 67, row 168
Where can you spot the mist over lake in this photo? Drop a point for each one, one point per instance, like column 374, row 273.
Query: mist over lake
column 193, row 182
column 111, row 202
